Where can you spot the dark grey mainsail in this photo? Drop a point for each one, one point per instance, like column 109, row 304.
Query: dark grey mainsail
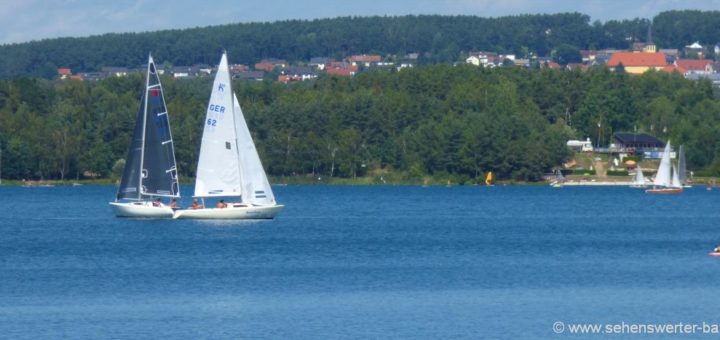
column 131, row 174
column 150, row 167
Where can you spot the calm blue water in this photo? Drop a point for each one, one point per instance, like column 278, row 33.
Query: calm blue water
column 359, row 262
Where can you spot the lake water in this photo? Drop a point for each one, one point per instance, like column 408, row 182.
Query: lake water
column 359, row 262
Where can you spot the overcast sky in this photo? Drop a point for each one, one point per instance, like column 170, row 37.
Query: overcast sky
column 25, row 20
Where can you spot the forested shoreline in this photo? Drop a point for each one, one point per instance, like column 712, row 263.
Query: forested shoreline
column 435, row 120
column 437, row 39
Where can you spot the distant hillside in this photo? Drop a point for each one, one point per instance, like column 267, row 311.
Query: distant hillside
column 437, row 38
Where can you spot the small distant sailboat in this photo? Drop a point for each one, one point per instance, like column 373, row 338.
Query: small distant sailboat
column 559, row 179
column 229, row 165
column 682, row 174
column 489, row 178
column 640, row 181
column 665, row 181
column 150, row 168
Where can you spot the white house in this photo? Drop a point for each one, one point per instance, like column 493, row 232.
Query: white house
column 582, row 145
column 475, row 60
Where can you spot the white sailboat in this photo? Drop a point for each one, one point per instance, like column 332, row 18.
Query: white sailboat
column 640, row 181
column 150, row 168
column 665, row 182
column 559, row 179
column 229, row 165
column 682, row 170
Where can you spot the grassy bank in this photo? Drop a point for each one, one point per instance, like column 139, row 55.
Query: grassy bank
column 100, row 181
column 298, row 180
column 367, row 180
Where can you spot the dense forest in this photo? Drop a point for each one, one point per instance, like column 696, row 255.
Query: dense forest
column 435, row 120
column 436, row 38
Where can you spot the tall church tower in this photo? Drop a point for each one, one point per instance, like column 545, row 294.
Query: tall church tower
column 649, row 44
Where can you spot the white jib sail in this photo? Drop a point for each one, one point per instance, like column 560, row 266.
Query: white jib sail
column 676, row 178
column 218, row 171
column 662, row 178
column 255, row 186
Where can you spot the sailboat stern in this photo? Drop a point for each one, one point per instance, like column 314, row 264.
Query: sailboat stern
column 140, row 209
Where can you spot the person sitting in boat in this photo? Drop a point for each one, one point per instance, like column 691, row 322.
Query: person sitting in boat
column 196, row 205
column 221, row 204
column 173, row 204
column 716, row 249
column 157, row 203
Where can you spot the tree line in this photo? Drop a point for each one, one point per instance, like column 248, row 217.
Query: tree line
column 436, row 38
column 434, row 120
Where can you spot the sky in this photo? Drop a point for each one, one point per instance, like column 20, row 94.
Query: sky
column 26, row 20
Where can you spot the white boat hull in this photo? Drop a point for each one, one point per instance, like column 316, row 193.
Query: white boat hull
column 142, row 209
column 590, row 184
column 233, row 211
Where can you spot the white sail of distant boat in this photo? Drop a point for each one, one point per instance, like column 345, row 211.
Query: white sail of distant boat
column 640, row 181
column 559, row 179
column 229, row 165
column 675, row 178
column 150, row 167
column 682, row 168
column 663, row 182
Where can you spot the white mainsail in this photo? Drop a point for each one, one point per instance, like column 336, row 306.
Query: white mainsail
column 662, row 178
column 255, row 185
column 218, row 171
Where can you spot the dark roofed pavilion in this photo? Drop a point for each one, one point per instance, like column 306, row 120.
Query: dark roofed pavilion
column 637, row 140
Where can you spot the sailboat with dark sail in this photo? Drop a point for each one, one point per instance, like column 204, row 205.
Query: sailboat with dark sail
column 150, row 169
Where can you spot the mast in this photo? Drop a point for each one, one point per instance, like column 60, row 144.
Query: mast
column 235, row 127
column 142, row 149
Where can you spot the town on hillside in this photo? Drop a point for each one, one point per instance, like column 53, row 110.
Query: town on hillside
column 693, row 62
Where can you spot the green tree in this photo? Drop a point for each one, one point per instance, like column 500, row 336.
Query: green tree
column 565, row 54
